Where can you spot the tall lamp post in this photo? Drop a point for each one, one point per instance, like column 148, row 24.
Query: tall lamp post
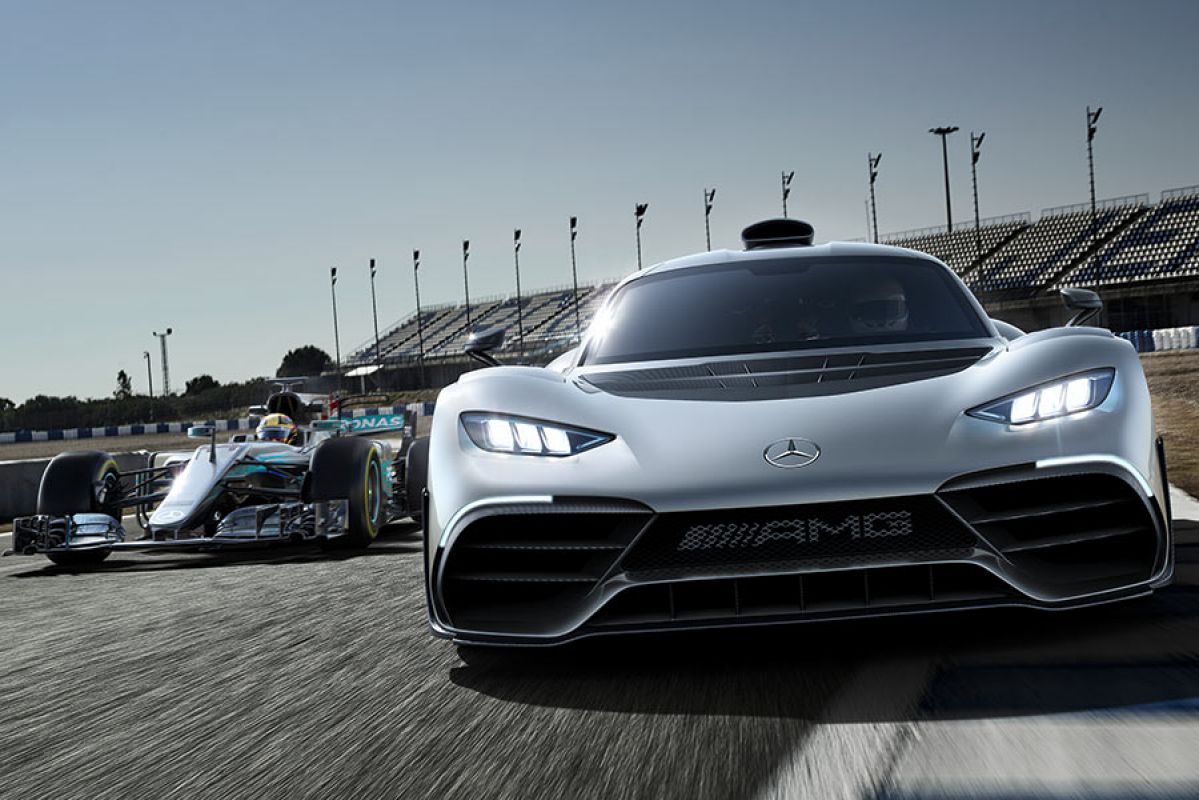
column 639, row 213
column 1092, row 121
column 944, row 132
column 166, row 370
column 336, row 332
column 976, row 143
column 466, row 279
column 709, row 196
column 787, row 177
column 574, row 273
column 375, row 314
column 149, row 373
column 872, row 160
column 420, row 319
column 520, row 317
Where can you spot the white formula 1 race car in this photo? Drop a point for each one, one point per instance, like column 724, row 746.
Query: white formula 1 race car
column 332, row 485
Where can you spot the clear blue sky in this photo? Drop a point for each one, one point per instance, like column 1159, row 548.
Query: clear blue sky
column 202, row 165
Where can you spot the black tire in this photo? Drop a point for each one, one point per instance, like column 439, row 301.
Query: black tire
column 416, row 472
column 349, row 469
column 80, row 483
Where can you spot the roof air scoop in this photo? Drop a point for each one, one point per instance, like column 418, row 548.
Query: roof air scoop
column 778, row 233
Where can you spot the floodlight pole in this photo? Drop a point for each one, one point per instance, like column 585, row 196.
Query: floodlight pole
column 336, row 332
column 520, row 320
column 466, row 280
column 1092, row 120
column 149, row 373
column 872, row 160
column 639, row 214
column 975, row 149
column 709, row 196
column 574, row 273
column 420, row 320
column 787, row 177
column 166, row 370
column 944, row 132
column 375, row 313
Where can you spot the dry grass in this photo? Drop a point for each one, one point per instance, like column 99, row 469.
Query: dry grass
column 1174, row 383
column 121, row 444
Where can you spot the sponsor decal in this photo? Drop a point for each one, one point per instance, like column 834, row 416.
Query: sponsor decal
column 740, row 535
column 377, row 422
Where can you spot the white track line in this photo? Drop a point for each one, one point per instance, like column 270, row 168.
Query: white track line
column 851, row 760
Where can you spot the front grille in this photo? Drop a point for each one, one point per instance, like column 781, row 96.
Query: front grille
column 813, row 595
column 528, row 569
column 1066, row 534
column 789, row 376
column 790, row 538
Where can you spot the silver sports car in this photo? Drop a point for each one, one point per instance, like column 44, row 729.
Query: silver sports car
column 787, row 433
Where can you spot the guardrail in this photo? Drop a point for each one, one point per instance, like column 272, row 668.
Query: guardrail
column 1021, row 218
column 1101, row 205
column 1174, row 194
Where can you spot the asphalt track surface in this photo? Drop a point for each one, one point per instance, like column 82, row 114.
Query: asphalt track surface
column 292, row 673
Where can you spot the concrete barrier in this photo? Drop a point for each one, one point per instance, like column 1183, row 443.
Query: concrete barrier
column 19, row 481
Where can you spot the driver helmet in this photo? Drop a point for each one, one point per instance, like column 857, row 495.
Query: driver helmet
column 878, row 306
column 277, row 428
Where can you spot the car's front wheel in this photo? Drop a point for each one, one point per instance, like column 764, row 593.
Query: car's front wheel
column 350, row 469
column 80, row 483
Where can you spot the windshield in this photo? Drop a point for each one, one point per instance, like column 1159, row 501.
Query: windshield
column 779, row 305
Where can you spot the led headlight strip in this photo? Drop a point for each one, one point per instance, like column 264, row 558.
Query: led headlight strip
column 1069, row 395
column 501, row 433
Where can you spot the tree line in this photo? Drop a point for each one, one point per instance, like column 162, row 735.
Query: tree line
column 203, row 397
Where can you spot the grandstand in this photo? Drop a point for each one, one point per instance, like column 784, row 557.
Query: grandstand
column 960, row 249
column 1055, row 243
column 548, row 318
column 1143, row 257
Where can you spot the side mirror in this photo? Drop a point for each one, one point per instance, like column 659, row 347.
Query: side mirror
column 1083, row 302
column 258, row 411
column 480, row 343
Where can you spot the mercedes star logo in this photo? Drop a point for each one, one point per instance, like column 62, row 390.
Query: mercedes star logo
column 791, row 452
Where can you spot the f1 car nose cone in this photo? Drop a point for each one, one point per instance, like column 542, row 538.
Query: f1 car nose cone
column 791, row 452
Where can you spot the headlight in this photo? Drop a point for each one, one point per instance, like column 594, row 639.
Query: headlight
column 500, row 433
column 1069, row 395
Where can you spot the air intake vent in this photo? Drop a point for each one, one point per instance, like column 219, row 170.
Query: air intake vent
column 739, row 379
column 778, row 233
column 529, row 569
column 1068, row 534
column 815, row 595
